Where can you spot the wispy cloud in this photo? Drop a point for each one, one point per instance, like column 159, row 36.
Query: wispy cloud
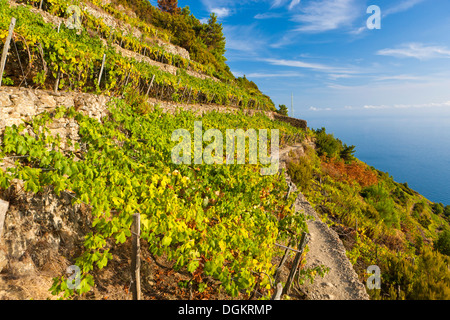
column 255, row 75
column 319, row 109
column 417, row 51
column 221, row 12
column 268, row 15
column 401, row 77
column 277, row 3
column 290, row 3
column 222, row 8
column 401, row 6
column 326, row 15
column 444, row 104
column 340, row 76
column 293, row 4
column 247, row 39
column 308, row 65
column 410, row 106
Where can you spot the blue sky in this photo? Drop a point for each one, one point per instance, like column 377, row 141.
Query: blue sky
column 323, row 52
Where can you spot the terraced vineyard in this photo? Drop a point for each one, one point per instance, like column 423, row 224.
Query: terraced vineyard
column 66, row 60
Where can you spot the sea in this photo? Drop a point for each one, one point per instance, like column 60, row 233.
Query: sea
column 413, row 146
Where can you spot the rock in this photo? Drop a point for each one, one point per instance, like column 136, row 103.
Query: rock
column 3, row 260
column 3, row 209
column 5, row 101
column 21, row 104
column 327, row 284
column 24, row 268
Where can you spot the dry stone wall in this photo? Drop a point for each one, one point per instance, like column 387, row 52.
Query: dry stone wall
column 298, row 123
column 21, row 104
column 18, row 104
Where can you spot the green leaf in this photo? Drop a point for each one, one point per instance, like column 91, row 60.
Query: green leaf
column 67, row 170
column 121, row 238
column 166, row 241
column 192, row 266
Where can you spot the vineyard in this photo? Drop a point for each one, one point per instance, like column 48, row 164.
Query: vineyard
column 226, row 228
column 59, row 58
column 220, row 221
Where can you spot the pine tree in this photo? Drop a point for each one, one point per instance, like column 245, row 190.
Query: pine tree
column 214, row 38
column 282, row 109
column 170, row 6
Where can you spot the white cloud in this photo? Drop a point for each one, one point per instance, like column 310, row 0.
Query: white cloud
column 397, row 77
column 267, row 15
column 293, row 4
column 308, row 65
column 326, row 15
column 410, row 106
column 221, row 12
column 417, row 51
column 400, row 7
column 277, row 3
column 359, row 30
column 274, row 75
column 339, row 76
column 319, row 109
column 280, row 3
column 247, row 39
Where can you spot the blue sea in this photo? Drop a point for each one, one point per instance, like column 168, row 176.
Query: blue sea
column 412, row 145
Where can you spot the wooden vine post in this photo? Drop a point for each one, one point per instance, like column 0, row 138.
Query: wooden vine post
column 3, row 209
column 101, row 69
column 6, row 48
column 136, row 257
column 151, row 84
column 59, row 68
column 303, row 242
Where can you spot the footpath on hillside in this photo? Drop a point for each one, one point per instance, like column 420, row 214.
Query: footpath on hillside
column 325, row 248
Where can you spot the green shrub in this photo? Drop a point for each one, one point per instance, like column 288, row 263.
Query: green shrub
column 380, row 198
column 400, row 196
column 327, row 144
column 438, row 208
column 447, row 211
column 301, row 172
column 421, row 214
column 443, row 243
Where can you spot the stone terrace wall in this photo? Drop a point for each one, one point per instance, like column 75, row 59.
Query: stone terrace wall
column 298, row 123
column 17, row 104
column 21, row 104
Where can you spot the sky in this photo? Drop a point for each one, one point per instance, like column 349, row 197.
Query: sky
column 324, row 53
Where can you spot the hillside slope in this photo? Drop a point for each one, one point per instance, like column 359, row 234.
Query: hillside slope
column 86, row 145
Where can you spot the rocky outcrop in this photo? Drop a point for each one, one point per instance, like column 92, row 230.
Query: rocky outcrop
column 41, row 233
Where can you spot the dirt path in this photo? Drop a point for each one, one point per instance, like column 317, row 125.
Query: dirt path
column 325, row 248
